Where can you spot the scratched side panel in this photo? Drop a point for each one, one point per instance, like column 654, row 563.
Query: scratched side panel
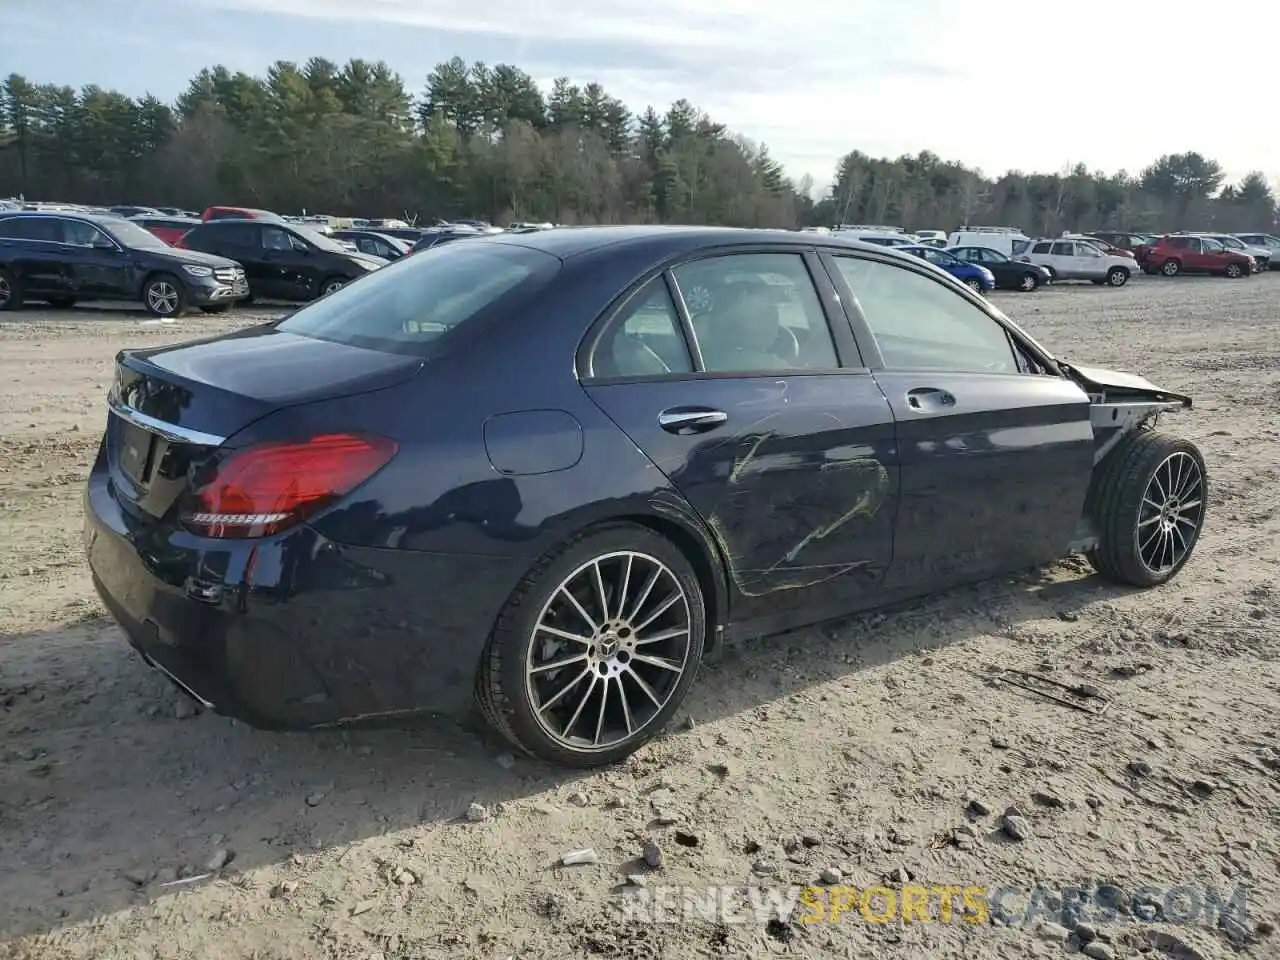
column 799, row 485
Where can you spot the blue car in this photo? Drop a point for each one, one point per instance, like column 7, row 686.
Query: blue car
column 977, row 278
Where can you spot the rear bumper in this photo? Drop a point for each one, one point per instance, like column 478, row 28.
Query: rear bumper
column 296, row 631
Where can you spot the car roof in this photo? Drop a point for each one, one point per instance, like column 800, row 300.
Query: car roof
column 662, row 241
column 102, row 219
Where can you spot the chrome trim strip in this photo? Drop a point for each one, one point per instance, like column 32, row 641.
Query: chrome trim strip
column 168, row 431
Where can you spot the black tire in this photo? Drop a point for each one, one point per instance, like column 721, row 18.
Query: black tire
column 216, row 308
column 1117, row 277
column 61, row 303
column 501, row 688
column 10, row 291
column 1171, row 268
column 1028, row 282
column 164, row 296
column 1119, row 503
column 974, row 285
column 1233, row 271
column 330, row 285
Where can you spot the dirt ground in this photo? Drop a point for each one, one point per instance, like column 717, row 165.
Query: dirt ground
column 132, row 827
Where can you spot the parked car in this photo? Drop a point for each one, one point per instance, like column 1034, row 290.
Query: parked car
column 385, row 505
column 973, row 275
column 1261, row 254
column 435, row 237
column 1078, row 260
column 1188, row 253
column 178, row 212
column 1265, row 240
column 62, row 258
column 409, row 235
column 1009, row 274
column 168, row 229
column 239, row 213
column 1008, row 240
column 283, row 261
column 932, row 237
column 374, row 243
column 130, row 212
column 1125, row 241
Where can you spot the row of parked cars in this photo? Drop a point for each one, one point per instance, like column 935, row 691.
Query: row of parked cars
column 987, row 258
column 173, row 260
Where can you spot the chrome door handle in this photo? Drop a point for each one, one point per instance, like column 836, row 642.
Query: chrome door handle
column 690, row 419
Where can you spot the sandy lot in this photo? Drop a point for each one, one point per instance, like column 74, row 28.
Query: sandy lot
column 130, row 827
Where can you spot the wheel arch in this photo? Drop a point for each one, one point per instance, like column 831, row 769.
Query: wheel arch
column 151, row 274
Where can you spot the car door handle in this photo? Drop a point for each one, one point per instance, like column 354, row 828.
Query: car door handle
column 686, row 420
column 929, row 398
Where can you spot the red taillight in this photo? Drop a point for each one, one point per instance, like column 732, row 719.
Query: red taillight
column 263, row 489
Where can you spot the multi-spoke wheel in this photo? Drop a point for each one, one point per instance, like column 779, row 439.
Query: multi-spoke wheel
column 596, row 649
column 164, row 296
column 1148, row 502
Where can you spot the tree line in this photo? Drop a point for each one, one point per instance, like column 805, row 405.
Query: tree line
column 484, row 141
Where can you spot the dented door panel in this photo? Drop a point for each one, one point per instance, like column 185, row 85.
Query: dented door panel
column 799, row 483
column 992, row 481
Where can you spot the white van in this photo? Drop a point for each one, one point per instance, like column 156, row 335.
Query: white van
column 1008, row 240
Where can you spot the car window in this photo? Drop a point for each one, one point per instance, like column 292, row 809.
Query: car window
column 273, row 238
column 1061, row 249
column 31, row 228
column 756, row 311
column 1195, row 243
column 1213, row 246
column 1041, row 248
column 920, row 324
column 987, row 255
column 409, row 305
column 644, row 338
column 367, row 245
column 79, row 233
column 968, row 254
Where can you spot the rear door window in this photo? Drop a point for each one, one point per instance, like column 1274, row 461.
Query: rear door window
column 408, row 306
column 31, row 228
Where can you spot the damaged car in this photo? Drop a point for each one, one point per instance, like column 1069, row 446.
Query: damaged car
column 550, row 472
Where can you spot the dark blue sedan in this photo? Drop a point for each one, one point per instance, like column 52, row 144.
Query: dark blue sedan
column 974, row 276
column 553, row 470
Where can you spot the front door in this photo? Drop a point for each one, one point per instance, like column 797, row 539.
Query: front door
column 98, row 267
column 995, row 456
column 739, row 378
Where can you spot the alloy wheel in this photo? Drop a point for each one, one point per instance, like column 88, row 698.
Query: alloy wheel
column 1171, row 268
column 1027, row 283
column 974, row 285
column 333, row 286
column 6, row 291
column 162, row 298
column 1233, row 270
column 1171, row 513
column 608, row 651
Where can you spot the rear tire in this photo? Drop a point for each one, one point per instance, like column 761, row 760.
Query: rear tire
column 330, row 285
column 633, row 669
column 1171, row 268
column 10, row 291
column 164, row 296
column 1147, row 501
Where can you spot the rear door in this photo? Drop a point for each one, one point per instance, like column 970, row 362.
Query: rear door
column 1065, row 260
column 995, row 457
column 738, row 376
column 32, row 249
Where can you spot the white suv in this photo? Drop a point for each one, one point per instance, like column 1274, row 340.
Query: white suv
column 1080, row 260
column 1260, row 252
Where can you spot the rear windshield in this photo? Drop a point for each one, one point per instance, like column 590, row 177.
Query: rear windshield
column 407, row 306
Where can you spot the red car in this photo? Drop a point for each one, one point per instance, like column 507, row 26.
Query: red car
column 168, row 229
column 238, row 213
column 1189, row 253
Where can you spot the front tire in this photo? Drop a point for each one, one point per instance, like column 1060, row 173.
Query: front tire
column 1147, row 501
column 1028, row 282
column 1233, row 271
column 596, row 648
column 974, row 285
column 1117, row 277
column 164, row 296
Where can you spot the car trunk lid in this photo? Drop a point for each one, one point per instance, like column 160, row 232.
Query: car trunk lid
column 171, row 407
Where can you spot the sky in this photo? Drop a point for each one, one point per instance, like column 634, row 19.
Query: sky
column 998, row 85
